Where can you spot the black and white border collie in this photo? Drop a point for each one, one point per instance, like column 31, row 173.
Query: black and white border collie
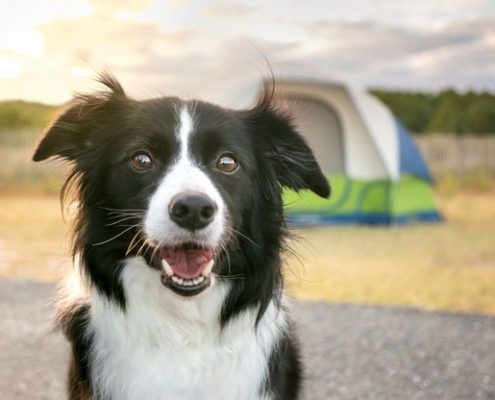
column 178, row 237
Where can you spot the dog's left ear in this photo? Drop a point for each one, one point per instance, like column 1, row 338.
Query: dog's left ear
column 292, row 159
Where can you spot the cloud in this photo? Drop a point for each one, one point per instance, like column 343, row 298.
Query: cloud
column 217, row 53
column 136, row 50
column 111, row 7
column 459, row 54
column 222, row 9
column 148, row 59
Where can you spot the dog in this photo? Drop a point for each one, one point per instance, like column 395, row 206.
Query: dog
column 178, row 236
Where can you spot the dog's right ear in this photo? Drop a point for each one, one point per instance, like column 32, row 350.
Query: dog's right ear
column 70, row 133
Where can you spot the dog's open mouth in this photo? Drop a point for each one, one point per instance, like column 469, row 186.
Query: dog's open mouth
column 186, row 269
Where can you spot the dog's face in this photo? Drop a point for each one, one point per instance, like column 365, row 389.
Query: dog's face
column 192, row 187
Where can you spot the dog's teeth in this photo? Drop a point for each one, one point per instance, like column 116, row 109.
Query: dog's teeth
column 167, row 268
column 206, row 272
column 189, row 282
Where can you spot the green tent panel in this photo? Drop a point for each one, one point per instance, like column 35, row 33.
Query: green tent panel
column 368, row 202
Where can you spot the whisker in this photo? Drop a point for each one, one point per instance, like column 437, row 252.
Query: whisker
column 155, row 250
column 146, row 245
column 229, row 278
column 236, row 232
column 113, row 215
column 152, row 247
column 125, row 212
column 225, row 250
column 116, row 236
column 118, row 223
column 123, row 209
column 143, row 245
column 132, row 244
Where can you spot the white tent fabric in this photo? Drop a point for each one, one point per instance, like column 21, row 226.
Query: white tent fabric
column 382, row 127
column 370, row 147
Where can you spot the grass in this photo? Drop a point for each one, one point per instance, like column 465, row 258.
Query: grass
column 448, row 266
column 33, row 236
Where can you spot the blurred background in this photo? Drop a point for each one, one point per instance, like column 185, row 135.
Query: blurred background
column 431, row 63
column 396, row 97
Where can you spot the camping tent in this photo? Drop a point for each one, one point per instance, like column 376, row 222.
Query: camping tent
column 375, row 170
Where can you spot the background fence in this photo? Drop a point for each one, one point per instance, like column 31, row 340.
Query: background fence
column 445, row 154
column 458, row 155
column 16, row 149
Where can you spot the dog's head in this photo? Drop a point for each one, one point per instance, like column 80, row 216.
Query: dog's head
column 194, row 188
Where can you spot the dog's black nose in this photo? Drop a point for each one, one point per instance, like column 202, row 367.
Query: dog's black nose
column 192, row 211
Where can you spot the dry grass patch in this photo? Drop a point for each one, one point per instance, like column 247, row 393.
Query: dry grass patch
column 33, row 237
column 433, row 266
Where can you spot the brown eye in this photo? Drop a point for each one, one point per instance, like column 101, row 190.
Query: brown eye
column 142, row 162
column 227, row 164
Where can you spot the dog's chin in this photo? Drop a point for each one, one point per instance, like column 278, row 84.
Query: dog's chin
column 186, row 269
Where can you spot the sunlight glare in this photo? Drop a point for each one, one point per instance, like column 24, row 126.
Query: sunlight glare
column 25, row 42
column 81, row 72
column 10, row 67
column 73, row 8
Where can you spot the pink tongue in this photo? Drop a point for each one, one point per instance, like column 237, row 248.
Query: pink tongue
column 187, row 263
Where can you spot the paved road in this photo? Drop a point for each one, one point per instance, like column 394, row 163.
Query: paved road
column 351, row 352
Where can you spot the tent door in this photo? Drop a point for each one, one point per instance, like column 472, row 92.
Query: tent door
column 321, row 127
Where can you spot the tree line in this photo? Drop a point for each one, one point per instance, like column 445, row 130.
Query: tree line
column 18, row 114
column 444, row 112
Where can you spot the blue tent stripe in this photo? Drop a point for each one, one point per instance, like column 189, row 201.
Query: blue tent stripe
column 361, row 218
column 410, row 158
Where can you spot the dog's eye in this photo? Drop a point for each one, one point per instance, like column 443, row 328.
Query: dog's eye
column 142, row 162
column 227, row 164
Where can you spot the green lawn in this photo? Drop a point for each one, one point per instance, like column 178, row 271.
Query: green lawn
column 439, row 266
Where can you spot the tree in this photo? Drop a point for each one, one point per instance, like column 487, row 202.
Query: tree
column 21, row 115
column 480, row 115
column 449, row 114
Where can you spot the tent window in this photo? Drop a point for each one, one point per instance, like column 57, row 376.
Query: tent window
column 320, row 125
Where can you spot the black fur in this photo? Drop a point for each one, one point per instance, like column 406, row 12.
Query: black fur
column 73, row 323
column 284, row 377
column 99, row 133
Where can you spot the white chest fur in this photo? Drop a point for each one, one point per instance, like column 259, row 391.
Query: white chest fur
column 168, row 348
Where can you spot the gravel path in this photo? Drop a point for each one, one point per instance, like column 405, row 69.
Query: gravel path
column 351, row 352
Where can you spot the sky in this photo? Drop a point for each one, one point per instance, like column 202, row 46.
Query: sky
column 218, row 50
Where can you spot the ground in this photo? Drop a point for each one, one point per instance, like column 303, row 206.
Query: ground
column 349, row 351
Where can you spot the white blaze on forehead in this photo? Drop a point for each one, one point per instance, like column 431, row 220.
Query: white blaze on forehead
column 182, row 177
column 186, row 126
